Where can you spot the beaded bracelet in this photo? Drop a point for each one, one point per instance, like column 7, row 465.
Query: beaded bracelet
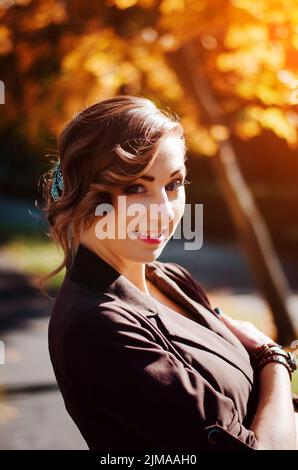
column 272, row 351
column 262, row 350
column 274, row 358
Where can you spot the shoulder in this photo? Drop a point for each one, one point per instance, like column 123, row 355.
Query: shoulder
column 80, row 316
column 100, row 319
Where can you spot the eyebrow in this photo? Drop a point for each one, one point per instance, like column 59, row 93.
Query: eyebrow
column 152, row 178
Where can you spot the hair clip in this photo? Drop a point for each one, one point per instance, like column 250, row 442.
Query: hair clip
column 57, row 182
column 218, row 311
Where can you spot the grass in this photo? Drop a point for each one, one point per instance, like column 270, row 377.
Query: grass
column 295, row 382
column 36, row 256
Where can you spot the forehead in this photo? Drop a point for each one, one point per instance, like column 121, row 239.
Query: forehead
column 170, row 154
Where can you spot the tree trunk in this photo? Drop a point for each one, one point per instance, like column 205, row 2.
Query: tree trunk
column 252, row 230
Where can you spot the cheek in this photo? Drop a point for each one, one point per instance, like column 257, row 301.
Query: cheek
column 179, row 205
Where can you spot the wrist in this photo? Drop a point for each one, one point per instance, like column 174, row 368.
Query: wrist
column 273, row 353
column 273, row 360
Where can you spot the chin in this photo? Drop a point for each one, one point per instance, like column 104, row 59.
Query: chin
column 143, row 257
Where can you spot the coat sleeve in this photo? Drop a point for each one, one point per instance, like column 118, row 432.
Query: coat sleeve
column 118, row 365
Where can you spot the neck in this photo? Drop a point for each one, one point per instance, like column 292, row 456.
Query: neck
column 134, row 271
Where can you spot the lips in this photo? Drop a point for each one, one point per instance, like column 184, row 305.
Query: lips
column 150, row 236
column 151, row 239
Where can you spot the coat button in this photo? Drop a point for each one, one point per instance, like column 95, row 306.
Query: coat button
column 213, row 436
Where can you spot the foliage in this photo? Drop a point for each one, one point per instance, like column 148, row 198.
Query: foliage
column 58, row 57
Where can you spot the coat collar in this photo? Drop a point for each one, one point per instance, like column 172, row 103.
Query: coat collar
column 95, row 274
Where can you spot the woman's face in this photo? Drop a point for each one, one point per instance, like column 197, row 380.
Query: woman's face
column 154, row 202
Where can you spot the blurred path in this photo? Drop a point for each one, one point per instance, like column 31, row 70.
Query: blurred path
column 32, row 412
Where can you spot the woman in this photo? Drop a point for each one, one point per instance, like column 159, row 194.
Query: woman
column 141, row 358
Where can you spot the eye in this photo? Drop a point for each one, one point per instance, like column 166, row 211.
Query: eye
column 177, row 184
column 132, row 189
column 173, row 186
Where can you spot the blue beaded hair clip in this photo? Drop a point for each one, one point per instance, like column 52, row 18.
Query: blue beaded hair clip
column 57, row 182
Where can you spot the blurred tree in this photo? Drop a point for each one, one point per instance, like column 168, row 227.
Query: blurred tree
column 226, row 67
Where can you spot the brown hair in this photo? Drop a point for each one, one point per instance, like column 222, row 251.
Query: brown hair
column 107, row 145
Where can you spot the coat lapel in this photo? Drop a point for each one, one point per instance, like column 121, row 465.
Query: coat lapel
column 205, row 317
column 97, row 275
column 202, row 333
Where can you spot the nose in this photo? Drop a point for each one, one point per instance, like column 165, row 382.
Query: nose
column 161, row 212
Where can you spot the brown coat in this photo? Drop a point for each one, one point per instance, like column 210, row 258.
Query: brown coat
column 135, row 375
